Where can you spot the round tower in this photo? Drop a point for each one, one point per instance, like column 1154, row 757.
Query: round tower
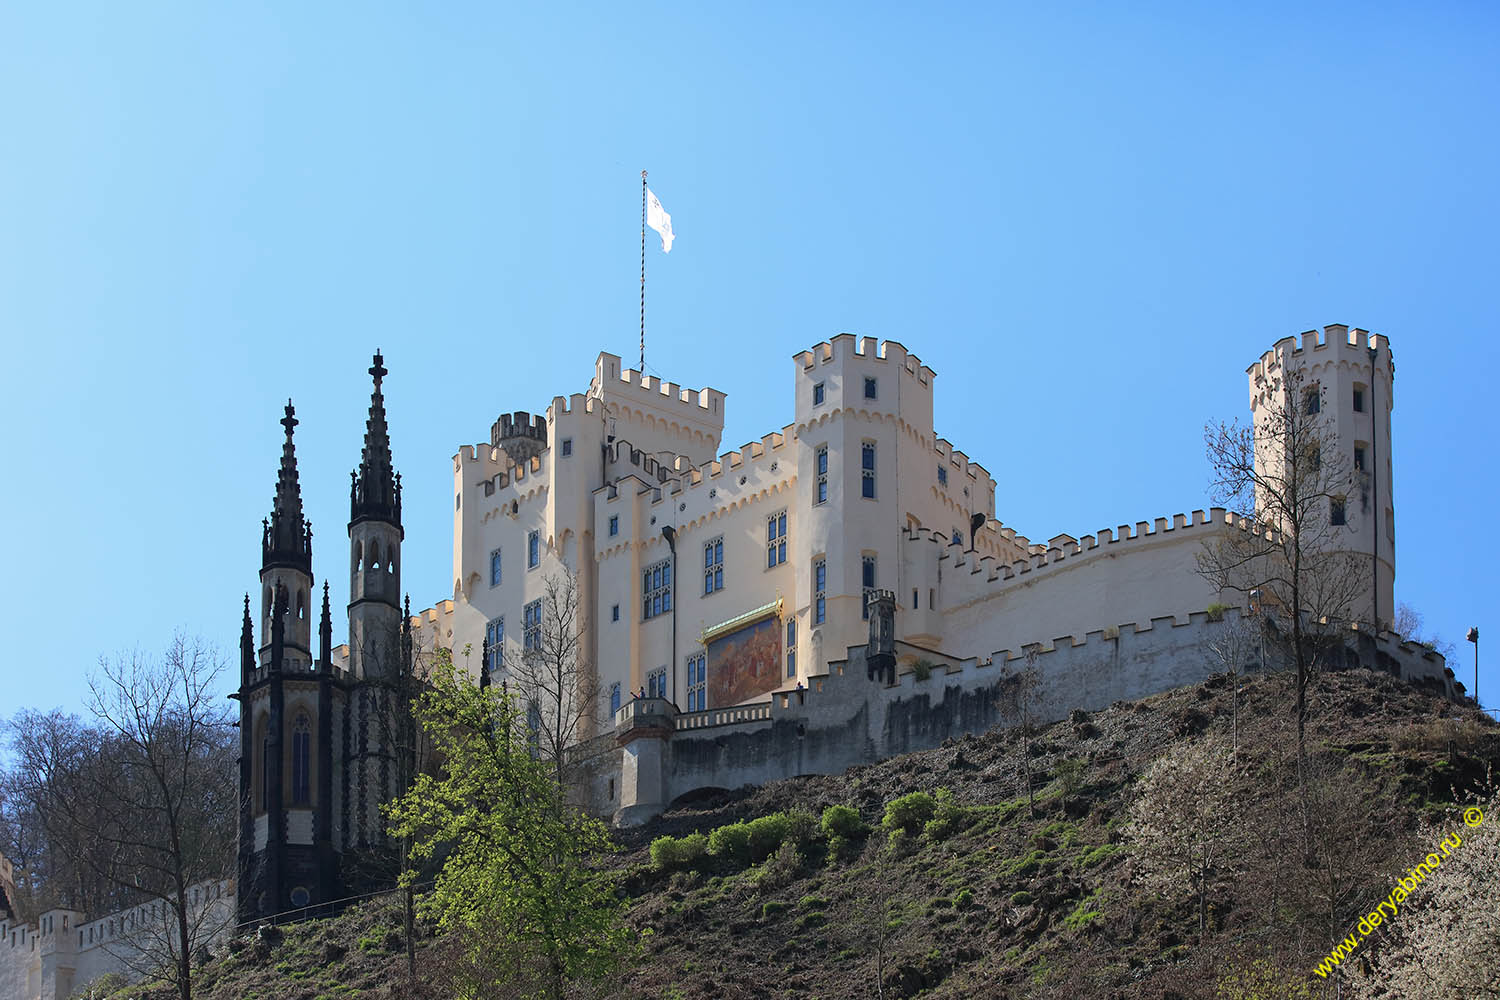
column 1343, row 380
column 286, row 561
column 522, row 436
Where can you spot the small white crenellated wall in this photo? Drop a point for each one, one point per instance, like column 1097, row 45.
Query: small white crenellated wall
column 62, row 952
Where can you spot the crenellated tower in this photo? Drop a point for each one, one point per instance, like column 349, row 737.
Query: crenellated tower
column 1344, row 380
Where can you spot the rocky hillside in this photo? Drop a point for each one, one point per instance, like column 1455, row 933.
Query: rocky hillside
column 1003, row 896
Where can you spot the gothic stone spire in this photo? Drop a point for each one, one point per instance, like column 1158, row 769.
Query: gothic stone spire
column 287, row 538
column 376, row 490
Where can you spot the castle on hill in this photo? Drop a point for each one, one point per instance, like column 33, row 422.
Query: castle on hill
column 724, row 600
column 839, row 591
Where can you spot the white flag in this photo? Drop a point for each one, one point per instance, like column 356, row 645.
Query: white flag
column 658, row 219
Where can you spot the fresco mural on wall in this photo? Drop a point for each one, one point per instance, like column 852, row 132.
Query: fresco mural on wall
column 745, row 664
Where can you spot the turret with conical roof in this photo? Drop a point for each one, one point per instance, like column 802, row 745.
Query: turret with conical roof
column 375, row 491
column 286, row 538
column 375, row 546
column 286, row 558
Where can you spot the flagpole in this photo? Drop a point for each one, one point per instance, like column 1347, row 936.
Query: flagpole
column 643, row 272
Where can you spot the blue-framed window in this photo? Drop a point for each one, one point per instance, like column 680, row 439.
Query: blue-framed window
column 567, row 447
column 817, row 393
column 495, row 568
column 776, row 539
column 820, row 590
column 494, row 637
column 713, row 565
column 614, row 613
column 656, row 589
column 791, row 647
column 822, row 471
column 531, row 625
column 533, row 549
column 942, row 476
column 697, row 682
column 867, row 469
column 870, row 386
column 614, row 698
column 614, row 525
column 656, row 683
column 867, row 579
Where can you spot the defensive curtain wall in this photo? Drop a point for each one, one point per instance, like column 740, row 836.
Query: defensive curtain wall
column 846, row 718
column 62, row 952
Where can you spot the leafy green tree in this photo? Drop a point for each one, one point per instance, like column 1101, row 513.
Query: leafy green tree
column 518, row 888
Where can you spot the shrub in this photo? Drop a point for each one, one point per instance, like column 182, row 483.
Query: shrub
column 781, row 868
column 899, row 841
column 1216, row 612
column 811, row 920
column 922, row 669
column 1021, row 898
column 671, row 853
column 842, row 821
column 946, row 819
column 1083, row 914
column 909, row 812
column 801, row 827
column 766, row 834
column 812, row 903
column 1098, row 855
column 964, row 899
column 772, row 909
column 732, row 842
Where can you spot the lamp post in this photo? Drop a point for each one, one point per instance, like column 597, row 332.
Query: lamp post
column 670, row 534
column 1473, row 636
column 1374, row 492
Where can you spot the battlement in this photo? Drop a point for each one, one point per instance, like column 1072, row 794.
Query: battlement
column 847, row 345
column 1335, row 338
column 1063, row 548
column 633, row 387
column 576, row 403
column 521, row 435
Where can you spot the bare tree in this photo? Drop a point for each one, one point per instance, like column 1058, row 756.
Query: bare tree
column 555, row 679
column 1412, row 627
column 144, row 798
column 1235, row 643
column 1288, row 481
column 1182, row 829
column 1020, row 693
column 1444, row 943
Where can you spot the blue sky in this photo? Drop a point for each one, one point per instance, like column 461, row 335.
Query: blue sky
column 1088, row 219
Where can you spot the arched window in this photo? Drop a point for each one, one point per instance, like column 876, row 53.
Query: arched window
column 359, row 556
column 301, row 760
column 301, row 604
column 264, row 785
column 374, row 554
column 614, row 699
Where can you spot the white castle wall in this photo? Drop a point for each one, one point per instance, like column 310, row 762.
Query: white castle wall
column 845, row 719
column 61, row 953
